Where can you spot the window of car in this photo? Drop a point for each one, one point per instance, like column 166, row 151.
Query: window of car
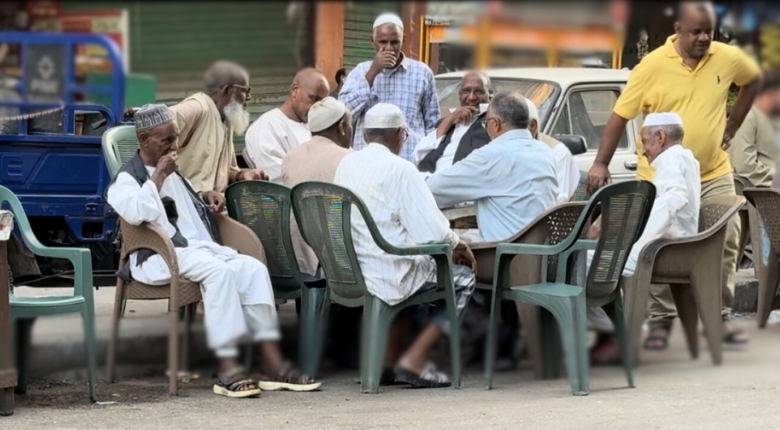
column 585, row 113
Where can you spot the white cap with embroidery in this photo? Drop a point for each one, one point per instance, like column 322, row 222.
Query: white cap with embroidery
column 384, row 115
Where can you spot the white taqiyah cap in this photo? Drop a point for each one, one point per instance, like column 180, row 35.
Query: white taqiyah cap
column 152, row 115
column 533, row 112
column 388, row 18
column 662, row 118
column 325, row 113
column 384, row 115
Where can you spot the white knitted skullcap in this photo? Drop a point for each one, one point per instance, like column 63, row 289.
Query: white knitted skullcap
column 662, row 118
column 388, row 18
column 384, row 115
column 325, row 113
column 533, row 112
column 152, row 115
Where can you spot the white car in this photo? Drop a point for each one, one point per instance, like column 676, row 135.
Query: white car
column 571, row 101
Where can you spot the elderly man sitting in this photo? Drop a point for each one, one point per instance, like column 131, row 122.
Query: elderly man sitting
column 236, row 289
column 567, row 172
column 512, row 179
column 406, row 214
column 675, row 212
column 460, row 132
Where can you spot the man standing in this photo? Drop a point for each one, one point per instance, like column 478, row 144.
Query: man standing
column 566, row 170
column 406, row 214
column 511, row 180
column 236, row 288
column 207, row 122
column 278, row 131
column 754, row 149
column 461, row 131
column 690, row 75
column 317, row 160
column 392, row 78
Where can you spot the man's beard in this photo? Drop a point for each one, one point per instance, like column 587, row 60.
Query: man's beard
column 237, row 117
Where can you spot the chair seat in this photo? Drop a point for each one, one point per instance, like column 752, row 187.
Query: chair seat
column 45, row 301
column 550, row 289
column 189, row 292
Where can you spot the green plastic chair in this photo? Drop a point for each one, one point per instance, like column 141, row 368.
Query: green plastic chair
column 323, row 213
column 24, row 310
column 120, row 144
column 265, row 208
column 625, row 209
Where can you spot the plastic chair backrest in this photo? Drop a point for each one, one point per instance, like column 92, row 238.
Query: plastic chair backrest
column 625, row 209
column 767, row 204
column 323, row 212
column 713, row 211
column 119, row 146
column 265, row 207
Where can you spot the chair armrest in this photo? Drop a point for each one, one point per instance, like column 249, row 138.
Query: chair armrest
column 148, row 236
column 240, row 237
column 425, row 249
column 527, row 249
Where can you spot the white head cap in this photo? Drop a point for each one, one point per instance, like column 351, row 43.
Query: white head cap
column 662, row 118
column 325, row 113
column 533, row 113
column 384, row 115
column 152, row 115
column 388, row 18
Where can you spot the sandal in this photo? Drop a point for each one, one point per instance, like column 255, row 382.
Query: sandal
column 656, row 341
column 736, row 337
column 387, row 378
column 235, row 384
column 288, row 378
column 430, row 377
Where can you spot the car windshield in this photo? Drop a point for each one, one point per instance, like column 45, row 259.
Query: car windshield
column 543, row 94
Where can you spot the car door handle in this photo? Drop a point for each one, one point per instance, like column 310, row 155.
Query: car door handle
column 630, row 165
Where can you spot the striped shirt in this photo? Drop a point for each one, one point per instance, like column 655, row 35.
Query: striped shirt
column 404, row 211
column 411, row 86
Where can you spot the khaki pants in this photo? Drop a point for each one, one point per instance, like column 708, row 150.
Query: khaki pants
column 661, row 309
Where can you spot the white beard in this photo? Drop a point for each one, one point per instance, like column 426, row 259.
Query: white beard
column 237, row 117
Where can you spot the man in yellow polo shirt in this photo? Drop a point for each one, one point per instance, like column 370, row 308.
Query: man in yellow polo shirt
column 691, row 76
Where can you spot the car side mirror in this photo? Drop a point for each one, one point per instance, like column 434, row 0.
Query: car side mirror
column 574, row 142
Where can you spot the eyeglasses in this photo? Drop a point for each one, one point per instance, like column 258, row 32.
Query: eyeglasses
column 246, row 90
column 487, row 120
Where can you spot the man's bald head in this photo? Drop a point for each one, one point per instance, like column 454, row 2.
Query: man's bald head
column 474, row 89
column 695, row 27
column 308, row 87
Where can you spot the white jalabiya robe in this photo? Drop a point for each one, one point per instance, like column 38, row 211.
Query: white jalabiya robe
column 236, row 289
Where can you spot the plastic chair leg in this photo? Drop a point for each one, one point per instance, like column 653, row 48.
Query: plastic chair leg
column 491, row 343
column 550, row 345
column 570, row 313
column 685, row 303
column 637, row 291
column 529, row 324
column 454, row 337
column 377, row 318
column 23, row 331
column 708, row 305
column 119, row 307
column 312, row 328
column 615, row 312
column 173, row 352
column 768, row 278
column 90, row 349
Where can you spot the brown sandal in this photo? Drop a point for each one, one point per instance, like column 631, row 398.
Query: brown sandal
column 658, row 342
column 287, row 378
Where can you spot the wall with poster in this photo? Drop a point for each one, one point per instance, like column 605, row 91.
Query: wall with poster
column 113, row 23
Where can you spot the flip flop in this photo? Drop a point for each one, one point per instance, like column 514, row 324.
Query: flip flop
column 430, row 377
column 387, row 378
column 732, row 337
column 288, row 378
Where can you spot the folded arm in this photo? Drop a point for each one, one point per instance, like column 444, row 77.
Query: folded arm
column 465, row 181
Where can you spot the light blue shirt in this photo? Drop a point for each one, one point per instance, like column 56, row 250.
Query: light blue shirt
column 512, row 180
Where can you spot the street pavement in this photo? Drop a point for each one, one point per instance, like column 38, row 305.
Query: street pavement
column 672, row 392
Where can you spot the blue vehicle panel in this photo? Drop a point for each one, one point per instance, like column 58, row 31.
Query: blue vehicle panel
column 60, row 175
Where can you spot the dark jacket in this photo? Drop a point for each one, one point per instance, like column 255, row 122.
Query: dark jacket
column 475, row 137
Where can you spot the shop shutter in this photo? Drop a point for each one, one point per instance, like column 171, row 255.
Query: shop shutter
column 177, row 41
column 358, row 25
